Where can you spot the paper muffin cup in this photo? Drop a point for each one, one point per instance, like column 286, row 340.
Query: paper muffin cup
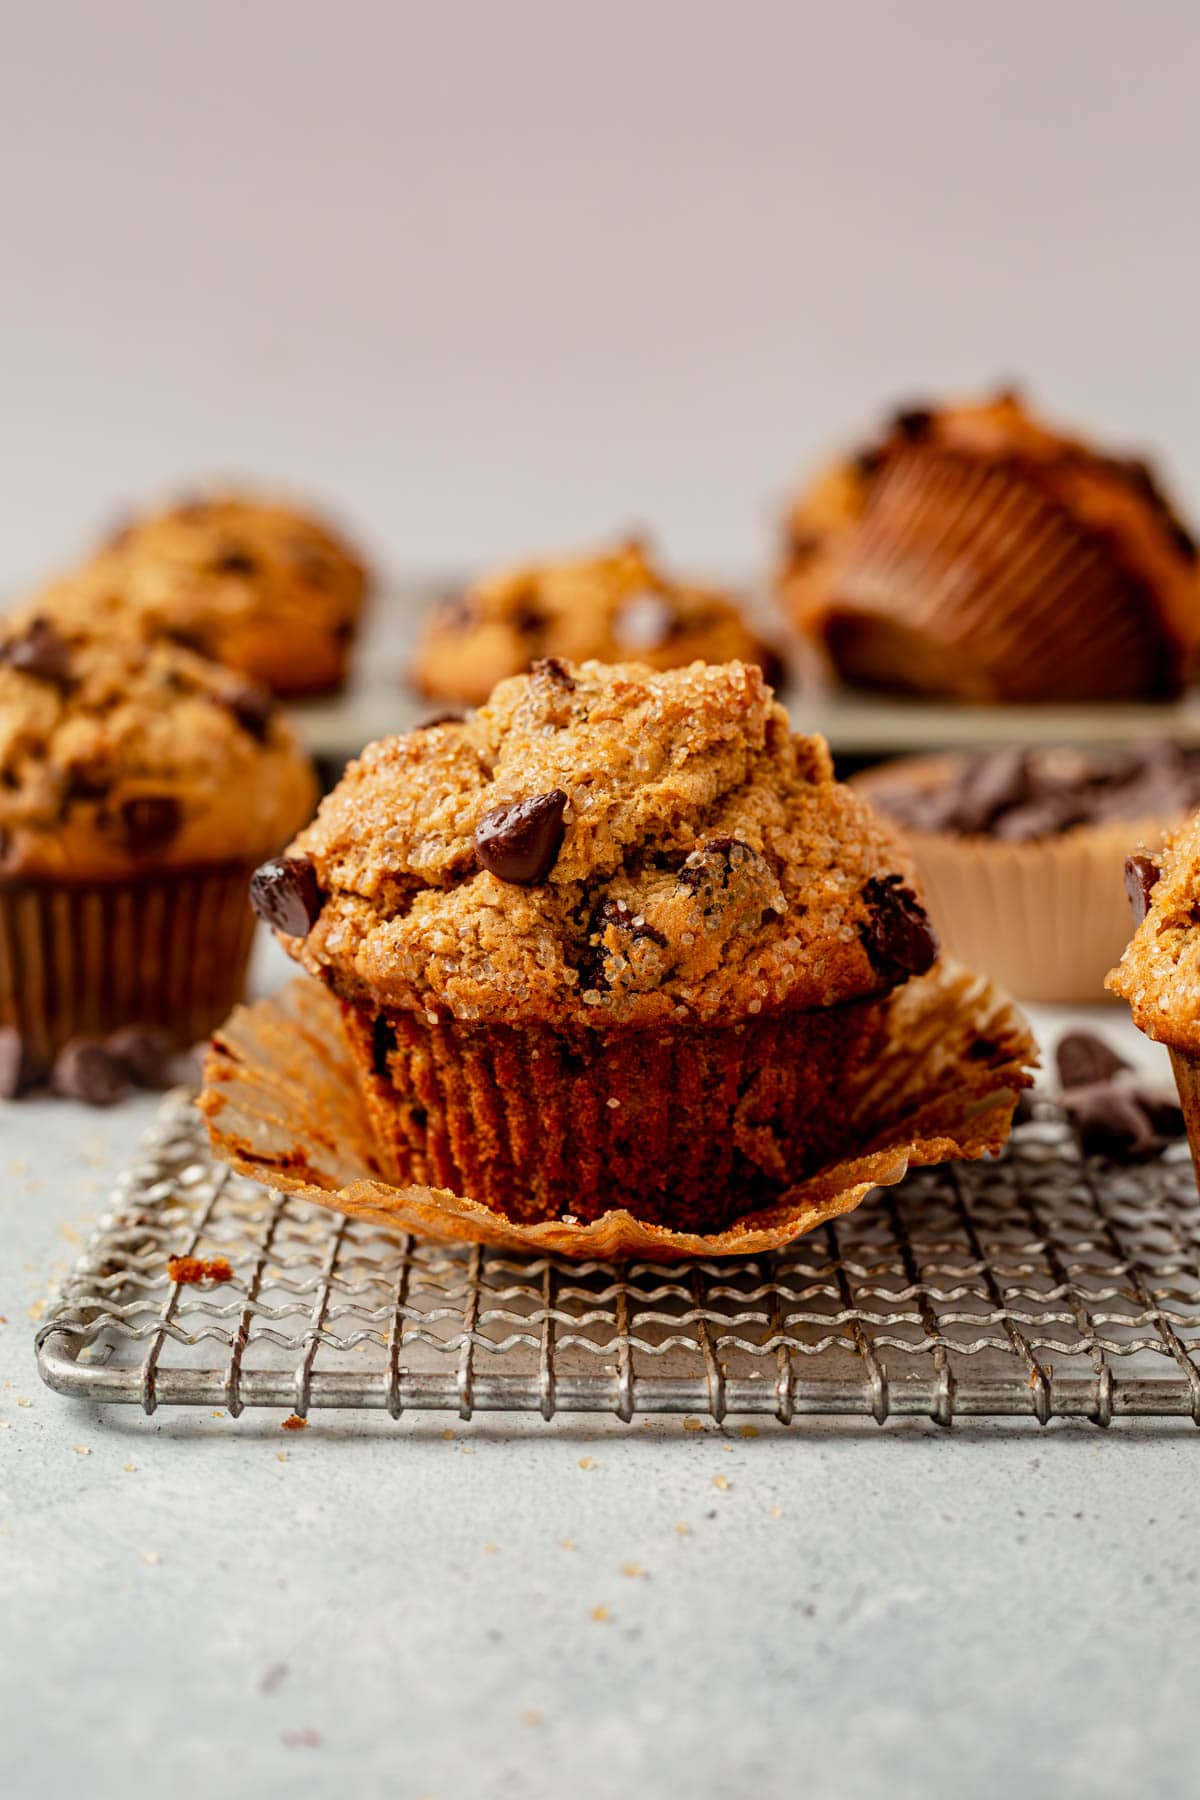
column 966, row 579
column 79, row 959
column 285, row 1106
column 683, row 1124
column 1047, row 920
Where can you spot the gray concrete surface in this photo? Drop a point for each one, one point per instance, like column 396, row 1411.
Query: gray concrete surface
column 199, row 1607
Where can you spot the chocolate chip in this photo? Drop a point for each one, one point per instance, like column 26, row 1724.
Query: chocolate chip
column 1082, row 1059
column 1109, row 1122
column 88, row 781
column 145, row 1053
column 896, row 934
column 912, row 422
column 235, row 561
column 40, row 652
column 1141, row 878
column 85, row 1070
column 529, row 619
column 520, row 842
column 645, row 622
column 17, row 1071
column 150, row 821
column 284, row 893
column 442, row 718
column 554, row 669
column 1163, row 1111
column 867, row 463
column 251, row 705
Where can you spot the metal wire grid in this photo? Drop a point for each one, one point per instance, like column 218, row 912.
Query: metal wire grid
column 1035, row 1284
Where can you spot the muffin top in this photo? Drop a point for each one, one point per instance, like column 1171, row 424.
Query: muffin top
column 1159, row 974
column 1118, row 497
column 117, row 754
column 1021, row 796
column 612, row 608
column 599, row 846
column 246, row 581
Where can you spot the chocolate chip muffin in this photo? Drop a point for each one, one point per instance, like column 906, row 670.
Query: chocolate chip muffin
column 974, row 552
column 139, row 786
column 1020, row 852
column 614, row 940
column 264, row 588
column 1159, row 972
column 613, row 608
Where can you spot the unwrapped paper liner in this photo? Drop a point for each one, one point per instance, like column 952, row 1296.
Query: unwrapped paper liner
column 284, row 1107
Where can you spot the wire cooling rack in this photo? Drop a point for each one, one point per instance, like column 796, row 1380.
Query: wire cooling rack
column 1037, row 1283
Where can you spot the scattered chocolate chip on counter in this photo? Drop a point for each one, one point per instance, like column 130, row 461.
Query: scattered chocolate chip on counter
column 1112, row 1114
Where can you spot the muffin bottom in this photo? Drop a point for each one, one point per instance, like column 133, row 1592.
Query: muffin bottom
column 685, row 1126
column 80, row 959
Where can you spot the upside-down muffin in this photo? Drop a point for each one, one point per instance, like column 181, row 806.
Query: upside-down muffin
column 973, row 552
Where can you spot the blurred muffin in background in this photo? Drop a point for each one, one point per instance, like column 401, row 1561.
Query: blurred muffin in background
column 973, row 552
column 612, row 608
column 1021, row 852
column 139, row 787
column 264, row 588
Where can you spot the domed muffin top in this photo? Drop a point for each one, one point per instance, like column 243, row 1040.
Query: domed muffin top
column 117, row 754
column 618, row 606
column 601, row 845
column 250, row 582
column 1159, row 974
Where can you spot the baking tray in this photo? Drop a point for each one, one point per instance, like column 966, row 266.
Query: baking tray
column 378, row 701
column 1037, row 1284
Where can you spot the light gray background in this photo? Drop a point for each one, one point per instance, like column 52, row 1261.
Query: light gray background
column 499, row 277
column 495, row 277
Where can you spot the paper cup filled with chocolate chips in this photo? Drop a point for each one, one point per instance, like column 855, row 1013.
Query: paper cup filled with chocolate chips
column 1022, row 852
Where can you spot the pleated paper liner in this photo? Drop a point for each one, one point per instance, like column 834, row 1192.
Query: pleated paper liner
column 1047, row 920
column 284, row 1107
column 1186, row 1069
column 80, row 959
column 684, row 1125
column 964, row 579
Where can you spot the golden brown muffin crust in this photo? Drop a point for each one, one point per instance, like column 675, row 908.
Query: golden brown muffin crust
column 116, row 754
column 262, row 587
column 703, row 863
column 615, row 607
column 1159, row 974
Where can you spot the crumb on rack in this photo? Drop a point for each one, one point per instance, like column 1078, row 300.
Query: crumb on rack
column 197, row 1271
column 293, row 1422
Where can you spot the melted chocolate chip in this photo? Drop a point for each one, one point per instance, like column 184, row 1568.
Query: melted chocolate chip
column 712, row 864
column 40, row 652
column 1141, row 878
column 252, row 706
column 554, row 669
column 235, row 561
column 442, row 718
column 150, row 821
column 867, row 463
column 284, row 893
column 520, row 842
column 87, row 781
column 1083, row 1059
column 896, row 935
column 613, row 915
column 86, row 1070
